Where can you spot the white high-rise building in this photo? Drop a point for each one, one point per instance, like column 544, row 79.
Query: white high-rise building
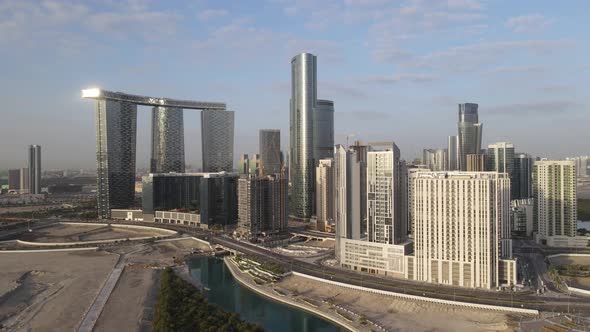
column 555, row 203
column 384, row 195
column 325, row 195
column 459, row 221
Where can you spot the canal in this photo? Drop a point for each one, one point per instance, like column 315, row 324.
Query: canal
column 223, row 290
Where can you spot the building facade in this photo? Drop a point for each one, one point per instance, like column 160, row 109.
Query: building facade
column 270, row 151
column 34, row 169
column 167, row 140
column 460, row 219
column 14, row 179
column 24, row 180
column 323, row 130
column 217, row 138
column 521, row 212
column 452, row 153
column 523, row 176
column 555, row 205
column 302, row 165
column 435, row 159
column 500, row 158
column 244, row 165
column 476, row 162
column 262, row 204
column 469, row 133
column 582, row 165
column 325, row 195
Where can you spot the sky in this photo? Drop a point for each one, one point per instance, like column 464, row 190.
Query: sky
column 396, row 70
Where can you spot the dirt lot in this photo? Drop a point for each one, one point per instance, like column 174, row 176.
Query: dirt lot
column 75, row 233
column 579, row 282
column 50, row 291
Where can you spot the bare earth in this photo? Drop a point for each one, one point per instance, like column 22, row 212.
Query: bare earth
column 401, row 315
column 75, row 233
column 579, row 282
column 50, row 291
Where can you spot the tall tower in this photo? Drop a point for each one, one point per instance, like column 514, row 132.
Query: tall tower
column 270, row 151
column 217, row 138
column 452, row 149
column 469, row 133
column 523, row 176
column 323, row 130
column 303, row 103
column 167, row 140
column 34, row 169
column 116, row 135
column 325, row 194
column 500, row 158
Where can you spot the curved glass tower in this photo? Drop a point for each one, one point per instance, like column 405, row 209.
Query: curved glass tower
column 469, row 138
column 303, row 103
column 323, row 128
column 167, row 140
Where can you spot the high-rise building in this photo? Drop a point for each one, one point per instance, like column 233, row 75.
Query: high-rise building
column 523, row 176
column 435, row 159
column 521, row 211
column 476, row 162
column 323, row 130
column 254, row 164
column 384, row 195
column 582, row 165
column 116, row 125
column 452, row 156
column 34, row 169
column 244, row 166
column 24, row 180
column 460, row 241
column 14, row 179
column 167, row 140
column 211, row 196
column 270, row 151
column 469, row 133
column 555, row 202
column 325, row 195
column 217, row 137
column 361, row 150
column 500, row 158
column 262, row 204
column 303, row 104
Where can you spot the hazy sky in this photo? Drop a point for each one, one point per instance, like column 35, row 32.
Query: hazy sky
column 395, row 69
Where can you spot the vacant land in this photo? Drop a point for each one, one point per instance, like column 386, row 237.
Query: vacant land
column 50, row 291
column 574, row 270
column 77, row 232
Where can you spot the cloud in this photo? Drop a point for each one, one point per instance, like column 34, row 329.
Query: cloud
column 552, row 107
column 516, row 69
column 386, row 80
column 146, row 24
column 210, row 14
column 528, row 23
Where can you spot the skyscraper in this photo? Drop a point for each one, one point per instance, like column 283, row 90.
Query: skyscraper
column 116, row 126
column 435, row 159
column 24, row 180
column 500, row 158
column 167, row 140
column 555, row 202
column 270, row 151
column 452, row 156
column 303, row 104
column 384, row 195
column 217, row 137
column 469, row 133
column 476, row 162
column 262, row 204
column 459, row 242
column 523, row 176
column 34, row 169
column 323, row 130
column 14, row 179
column 325, row 194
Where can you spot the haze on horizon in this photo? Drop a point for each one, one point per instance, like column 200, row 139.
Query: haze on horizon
column 396, row 70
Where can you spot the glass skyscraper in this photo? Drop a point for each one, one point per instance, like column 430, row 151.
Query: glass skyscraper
column 469, row 133
column 303, row 103
column 523, row 176
column 217, row 137
column 270, row 151
column 34, row 169
column 323, row 130
column 500, row 158
column 167, row 140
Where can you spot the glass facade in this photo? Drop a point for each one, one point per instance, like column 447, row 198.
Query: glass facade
column 303, row 103
column 523, row 169
column 217, row 137
column 500, row 158
column 323, row 130
column 469, row 133
column 116, row 127
column 270, row 151
column 34, row 169
column 167, row 140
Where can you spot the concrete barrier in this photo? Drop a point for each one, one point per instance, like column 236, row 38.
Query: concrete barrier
column 45, row 250
column 422, row 298
column 578, row 290
column 569, row 255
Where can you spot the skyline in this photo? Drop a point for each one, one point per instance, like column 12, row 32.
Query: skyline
column 377, row 62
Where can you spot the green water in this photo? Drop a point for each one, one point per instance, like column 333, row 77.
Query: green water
column 223, row 290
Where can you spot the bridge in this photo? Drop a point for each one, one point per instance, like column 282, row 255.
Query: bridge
column 99, row 94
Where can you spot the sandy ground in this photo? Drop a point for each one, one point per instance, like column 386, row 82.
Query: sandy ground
column 50, row 291
column 74, row 233
column 328, row 243
column 583, row 283
column 401, row 315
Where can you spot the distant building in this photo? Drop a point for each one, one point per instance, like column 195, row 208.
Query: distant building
column 582, row 165
column 244, row 165
column 461, row 242
column 523, row 176
column 522, row 217
column 270, row 151
column 325, row 195
column 435, row 159
column 500, row 158
column 211, row 196
column 555, row 203
column 34, row 169
column 24, row 180
column 217, row 137
column 323, row 130
column 14, row 179
column 452, row 156
column 254, row 164
column 262, row 204
column 469, row 134
column 476, row 162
